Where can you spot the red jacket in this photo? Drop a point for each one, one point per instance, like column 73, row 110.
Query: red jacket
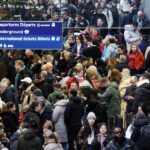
column 139, row 60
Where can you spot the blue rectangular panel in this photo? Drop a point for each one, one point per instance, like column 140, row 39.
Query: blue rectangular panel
column 33, row 35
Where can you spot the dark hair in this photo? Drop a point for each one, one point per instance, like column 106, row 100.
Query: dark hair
column 102, row 124
column 9, row 105
column 73, row 92
column 34, row 105
column 87, row 129
column 135, row 23
column 53, row 136
column 33, row 124
column 121, row 46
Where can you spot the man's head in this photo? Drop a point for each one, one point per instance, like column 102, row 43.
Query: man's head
column 29, row 53
column 118, row 134
column 3, row 87
column 19, row 65
column 72, row 93
column 36, row 106
column 133, row 80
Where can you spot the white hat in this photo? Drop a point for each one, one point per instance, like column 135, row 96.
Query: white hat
column 27, row 80
column 91, row 114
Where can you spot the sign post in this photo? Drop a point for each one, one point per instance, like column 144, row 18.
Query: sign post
column 32, row 35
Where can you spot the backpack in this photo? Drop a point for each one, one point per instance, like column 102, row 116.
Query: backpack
column 145, row 137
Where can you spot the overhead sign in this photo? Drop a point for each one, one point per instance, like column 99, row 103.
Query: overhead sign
column 33, row 35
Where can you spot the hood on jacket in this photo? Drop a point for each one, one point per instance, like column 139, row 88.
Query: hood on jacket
column 29, row 134
column 142, row 82
column 62, row 102
column 129, row 27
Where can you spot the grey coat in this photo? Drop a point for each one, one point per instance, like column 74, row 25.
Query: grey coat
column 58, row 119
column 53, row 146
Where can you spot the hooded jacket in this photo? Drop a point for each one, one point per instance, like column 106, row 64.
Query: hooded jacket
column 131, row 36
column 29, row 141
column 58, row 119
column 113, row 99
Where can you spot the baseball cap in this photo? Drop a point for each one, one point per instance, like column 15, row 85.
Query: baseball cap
column 27, row 80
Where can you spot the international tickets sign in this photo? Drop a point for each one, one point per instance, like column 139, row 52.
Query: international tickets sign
column 33, row 35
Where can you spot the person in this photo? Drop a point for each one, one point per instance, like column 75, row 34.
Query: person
column 129, row 97
column 58, row 119
column 34, row 114
column 119, row 141
column 67, row 20
column 22, row 72
column 72, row 117
column 139, row 121
column 10, row 119
column 112, row 98
column 29, row 140
column 52, row 141
column 9, row 94
column 15, row 136
column 101, row 139
column 79, row 47
column 132, row 34
column 135, row 59
column 46, row 110
column 48, row 125
column 142, row 94
column 87, row 132
column 4, row 141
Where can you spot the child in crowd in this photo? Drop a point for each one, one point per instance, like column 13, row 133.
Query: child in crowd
column 48, row 126
column 52, row 141
column 101, row 139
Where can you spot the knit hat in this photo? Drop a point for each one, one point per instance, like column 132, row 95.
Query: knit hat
column 38, row 93
column 91, row 114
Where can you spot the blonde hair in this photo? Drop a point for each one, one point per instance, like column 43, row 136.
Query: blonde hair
column 19, row 62
column 6, row 80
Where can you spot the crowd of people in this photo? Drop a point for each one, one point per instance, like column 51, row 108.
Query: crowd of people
column 78, row 13
column 91, row 95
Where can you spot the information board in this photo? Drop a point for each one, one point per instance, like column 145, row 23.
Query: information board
column 33, row 35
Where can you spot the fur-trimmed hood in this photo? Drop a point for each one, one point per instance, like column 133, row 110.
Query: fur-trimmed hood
column 62, row 102
column 144, row 81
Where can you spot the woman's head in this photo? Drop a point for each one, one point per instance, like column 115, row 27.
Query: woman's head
column 91, row 117
column 51, row 137
column 48, row 125
column 102, row 128
column 134, row 48
column 11, row 107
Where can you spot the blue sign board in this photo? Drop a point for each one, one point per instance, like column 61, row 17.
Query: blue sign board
column 33, row 35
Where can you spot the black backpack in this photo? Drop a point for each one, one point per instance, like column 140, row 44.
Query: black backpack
column 145, row 137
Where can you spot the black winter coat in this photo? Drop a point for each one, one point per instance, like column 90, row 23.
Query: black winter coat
column 74, row 112
column 33, row 115
column 14, row 140
column 29, row 141
column 135, row 136
column 10, row 122
column 142, row 96
column 10, row 95
column 127, row 145
column 47, row 112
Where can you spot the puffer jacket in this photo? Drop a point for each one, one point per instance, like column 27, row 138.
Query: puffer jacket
column 131, row 36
